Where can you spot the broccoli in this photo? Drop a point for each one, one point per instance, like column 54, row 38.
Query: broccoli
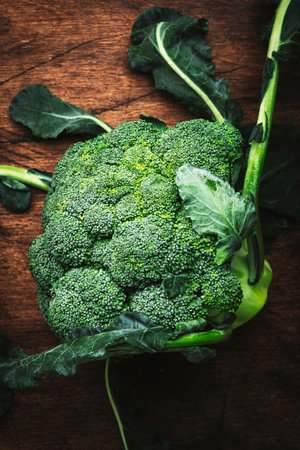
column 85, row 296
column 115, row 229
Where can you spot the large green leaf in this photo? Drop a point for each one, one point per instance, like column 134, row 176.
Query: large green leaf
column 289, row 33
column 48, row 116
column 279, row 200
column 174, row 49
column 215, row 208
column 137, row 435
column 131, row 334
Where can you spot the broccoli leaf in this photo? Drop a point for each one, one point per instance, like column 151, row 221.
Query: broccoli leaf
column 15, row 196
column 137, row 337
column 214, row 207
column 279, row 201
column 174, row 285
column 48, row 116
column 14, row 192
column 174, row 49
column 280, row 182
column 130, row 334
column 137, row 434
column 159, row 124
column 289, row 46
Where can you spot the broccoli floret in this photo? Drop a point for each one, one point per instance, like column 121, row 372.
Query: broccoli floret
column 158, row 195
column 43, row 267
column 128, row 208
column 137, row 252
column 138, row 133
column 221, row 290
column 210, row 145
column 67, row 240
column 99, row 220
column 161, row 310
column 84, row 297
column 115, row 229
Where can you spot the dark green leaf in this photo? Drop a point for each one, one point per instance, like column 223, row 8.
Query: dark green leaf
column 14, row 195
column 215, row 208
column 160, row 124
column 199, row 354
column 289, row 47
column 267, row 76
column 257, row 134
column 174, row 49
column 46, row 177
column 194, row 326
column 48, row 116
column 280, row 182
column 279, row 200
column 62, row 360
column 138, row 435
column 174, row 285
column 220, row 320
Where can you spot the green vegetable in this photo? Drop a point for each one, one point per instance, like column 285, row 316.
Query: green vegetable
column 147, row 243
column 115, row 230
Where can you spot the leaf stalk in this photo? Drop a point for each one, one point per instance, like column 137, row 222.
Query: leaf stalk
column 24, row 176
column 258, row 149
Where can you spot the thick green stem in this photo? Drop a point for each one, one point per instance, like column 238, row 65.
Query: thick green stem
column 24, row 176
column 258, row 149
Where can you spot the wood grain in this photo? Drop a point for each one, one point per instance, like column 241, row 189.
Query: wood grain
column 246, row 398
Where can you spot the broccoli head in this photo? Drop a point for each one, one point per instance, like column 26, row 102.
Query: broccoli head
column 115, row 230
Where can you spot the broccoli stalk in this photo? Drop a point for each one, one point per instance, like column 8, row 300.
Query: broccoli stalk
column 32, row 177
column 14, row 191
column 260, row 142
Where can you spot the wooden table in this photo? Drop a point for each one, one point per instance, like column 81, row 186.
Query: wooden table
column 246, row 397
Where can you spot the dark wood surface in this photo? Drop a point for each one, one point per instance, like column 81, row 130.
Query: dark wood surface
column 246, row 398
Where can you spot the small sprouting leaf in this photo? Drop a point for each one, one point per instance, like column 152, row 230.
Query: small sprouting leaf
column 289, row 46
column 159, row 124
column 48, row 116
column 14, row 195
column 174, row 285
column 267, row 75
column 46, row 177
column 257, row 134
column 215, row 208
column 174, row 49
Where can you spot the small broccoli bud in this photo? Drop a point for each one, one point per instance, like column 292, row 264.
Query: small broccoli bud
column 43, row 267
column 67, row 239
column 84, row 297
